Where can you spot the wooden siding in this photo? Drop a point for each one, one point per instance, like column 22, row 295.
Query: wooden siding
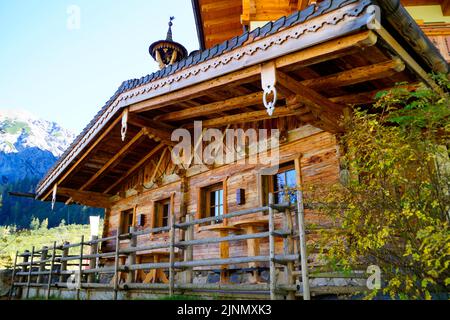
column 320, row 164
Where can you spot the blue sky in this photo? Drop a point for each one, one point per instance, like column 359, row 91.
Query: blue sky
column 66, row 75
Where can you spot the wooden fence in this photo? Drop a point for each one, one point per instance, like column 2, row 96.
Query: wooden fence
column 55, row 265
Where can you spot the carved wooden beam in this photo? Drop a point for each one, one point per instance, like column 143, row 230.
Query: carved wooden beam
column 248, row 11
column 142, row 122
column 135, row 167
column 219, row 106
column 115, row 159
column 158, row 166
column 357, row 75
column 236, row 78
column 218, row 21
column 325, row 110
column 217, row 6
column 92, row 199
column 346, row 78
column 85, row 154
column 157, row 130
column 253, row 116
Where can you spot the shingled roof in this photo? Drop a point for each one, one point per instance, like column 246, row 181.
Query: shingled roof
column 270, row 28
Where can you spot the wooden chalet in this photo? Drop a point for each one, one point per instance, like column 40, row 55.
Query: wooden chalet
column 227, row 229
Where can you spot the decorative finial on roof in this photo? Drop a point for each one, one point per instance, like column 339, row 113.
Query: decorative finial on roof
column 169, row 32
column 167, row 52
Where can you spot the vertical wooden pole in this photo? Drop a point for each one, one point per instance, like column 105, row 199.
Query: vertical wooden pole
column 189, row 251
column 225, row 200
column 80, row 268
column 272, row 249
column 172, row 246
column 288, row 246
column 64, row 254
column 303, row 251
column 132, row 256
column 11, row 290
column 302, row 232
column 116, row 265
column 30, row 268
column 52, row 265
column 26, row 258
column 44, row 256
column 93, row 261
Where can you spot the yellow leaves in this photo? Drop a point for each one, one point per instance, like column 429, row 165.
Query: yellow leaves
column 435, row 204
column 395, row 282
column 396, row 204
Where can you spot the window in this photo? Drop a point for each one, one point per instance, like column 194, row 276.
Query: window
column 161, row 214
column 283, row 185
column 126, row 221
column 212, row 201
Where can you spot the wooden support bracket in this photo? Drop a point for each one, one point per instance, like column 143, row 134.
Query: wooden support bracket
column 268, row 83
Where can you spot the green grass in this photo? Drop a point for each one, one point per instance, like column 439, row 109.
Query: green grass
column 11, row 241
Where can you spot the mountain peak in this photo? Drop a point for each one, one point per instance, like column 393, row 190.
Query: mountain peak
column 21, row 130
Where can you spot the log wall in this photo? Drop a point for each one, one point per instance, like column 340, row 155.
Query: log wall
column 320, row 165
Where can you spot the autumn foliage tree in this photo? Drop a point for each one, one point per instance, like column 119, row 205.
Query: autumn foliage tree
column 392, row 207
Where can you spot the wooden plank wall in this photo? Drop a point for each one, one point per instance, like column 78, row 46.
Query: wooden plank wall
column 320, row 164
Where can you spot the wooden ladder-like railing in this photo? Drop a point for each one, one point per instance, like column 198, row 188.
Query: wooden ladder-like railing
column 70, row 261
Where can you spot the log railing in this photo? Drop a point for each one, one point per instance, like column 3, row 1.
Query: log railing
column 69, row 262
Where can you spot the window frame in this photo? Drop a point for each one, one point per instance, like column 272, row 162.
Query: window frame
column 157, row 207
column 128, row 213
column 208, row 206
column 204, row 200
column 267, row 182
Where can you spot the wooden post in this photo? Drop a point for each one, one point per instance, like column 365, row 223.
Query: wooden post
column 52, row 265
column 132, row 256
column 65, row 253
column 80, row 268
column 172, row 246
column 272, row 249
column 13, row 276
column 301, row 229
column 93, row 261
column 189, row 251
column 303, row 251
column 44, row 256
column 288, row 246
column 30, row 268
column 22, row 279
column 116, row 265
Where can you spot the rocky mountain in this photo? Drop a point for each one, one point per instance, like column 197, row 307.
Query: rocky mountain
column 28, row 145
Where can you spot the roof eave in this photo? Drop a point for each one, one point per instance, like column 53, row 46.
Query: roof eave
column 399, row 20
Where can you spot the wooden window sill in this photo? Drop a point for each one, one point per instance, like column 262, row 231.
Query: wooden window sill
column 209, row 227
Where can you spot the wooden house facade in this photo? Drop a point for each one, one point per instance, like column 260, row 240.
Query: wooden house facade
column 322, row 59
